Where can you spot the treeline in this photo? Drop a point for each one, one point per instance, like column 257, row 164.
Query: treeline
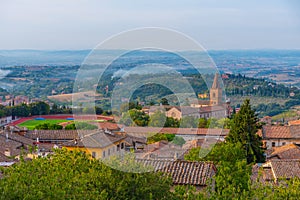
column 273, row 109
column 42, row 108
column 238, row 85
column 135, row 117
column 72, row 126
column 37, row 108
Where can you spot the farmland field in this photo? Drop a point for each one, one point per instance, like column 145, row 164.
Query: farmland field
column 30, row 124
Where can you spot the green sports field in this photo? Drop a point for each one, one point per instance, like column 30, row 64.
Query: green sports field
column 30, row 124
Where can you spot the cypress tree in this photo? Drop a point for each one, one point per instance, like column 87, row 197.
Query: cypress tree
column 243, row 129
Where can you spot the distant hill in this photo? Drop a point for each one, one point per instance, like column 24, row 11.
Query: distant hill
column 44, row 73
column 36, row 57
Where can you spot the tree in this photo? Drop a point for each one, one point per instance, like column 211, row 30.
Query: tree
column 157, row 119
column 129, row 106
column 126, row 119
column 159, row 137
column 39, row 108
column 98, row 110
column 21, row 110
column 74, row 175
column 178, row 140
column 188, row 122
column 164, row 101
column 81, row 126
column 243, row 130
column 139, row 118
column 55, row 109
column 212, row 123
column 171, row 122
column 48, row 126
column 232, row 179
column 202, row 123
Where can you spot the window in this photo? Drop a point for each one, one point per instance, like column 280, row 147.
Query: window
column 118, row 147
column 103, row 154
column 273, row 144
column 108, row 153
column 283, row 143
column 122, row 145
column 93, row 154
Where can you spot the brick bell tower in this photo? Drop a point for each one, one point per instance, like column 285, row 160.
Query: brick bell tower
column 215, row 92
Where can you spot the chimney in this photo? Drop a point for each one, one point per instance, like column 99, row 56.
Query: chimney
column 175, row 156
column 7, row 152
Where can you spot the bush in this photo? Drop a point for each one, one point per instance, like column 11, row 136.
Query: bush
column 81, row 126
column 48, row 126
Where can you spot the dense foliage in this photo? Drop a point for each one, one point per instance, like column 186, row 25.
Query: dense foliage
column 243, row 130
column 136, row 117
column 37, row 108
column 159, row 137
column 232, row 180
column 238, row 85
column 233, row 173
column 80, row 126
column 73, row 175
column 48, row 126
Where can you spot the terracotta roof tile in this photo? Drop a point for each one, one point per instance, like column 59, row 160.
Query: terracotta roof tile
column 184, row 131
column 52, row 134
column 13, row 146
column 276, row 170
column 109, row 126
column 96, row 139
column 18, row 138
column 184, row 172
column 276, row 132
column 289, row 151
column 294, row 122
column 281, row 132
column 285, row 168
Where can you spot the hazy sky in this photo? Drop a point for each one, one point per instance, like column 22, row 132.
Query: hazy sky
column 216, row 24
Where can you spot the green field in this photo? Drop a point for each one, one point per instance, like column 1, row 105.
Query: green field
column 30, row 124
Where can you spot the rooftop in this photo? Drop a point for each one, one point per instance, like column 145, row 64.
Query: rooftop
column 294, row 122
column 184, row 172
column 288, row 168
column 182, row 131
column 280, row 132
column 276, row 170
column 95, row 139
column 52, row 134
column 289, row 151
